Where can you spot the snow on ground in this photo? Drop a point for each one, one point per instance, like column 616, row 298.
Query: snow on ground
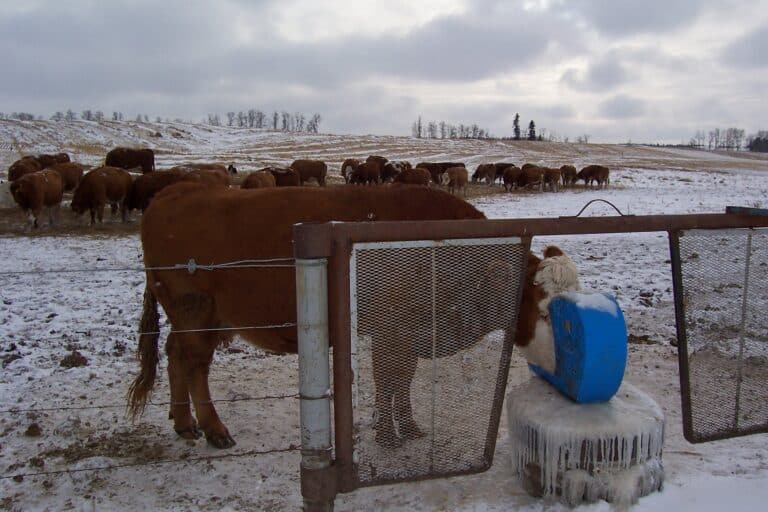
column 55, row 418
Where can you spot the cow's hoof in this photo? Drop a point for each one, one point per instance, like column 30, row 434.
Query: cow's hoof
column 410, row 430
column 388, row 439
column 221, row 441
column 190, row 433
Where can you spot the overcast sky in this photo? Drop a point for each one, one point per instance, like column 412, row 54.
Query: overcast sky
column 618, row 70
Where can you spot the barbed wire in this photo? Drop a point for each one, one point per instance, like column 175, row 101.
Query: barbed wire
column 191, row 266
column 208, row 458
column 16, row 410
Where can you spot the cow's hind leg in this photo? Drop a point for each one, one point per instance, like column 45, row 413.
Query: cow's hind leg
column 383, row 370
column 178, row 377
column 403, row 410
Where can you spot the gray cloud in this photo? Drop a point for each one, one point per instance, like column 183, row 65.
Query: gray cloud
column 622, row 107
column 603, row 75
column 619, row 18
column 749, row 51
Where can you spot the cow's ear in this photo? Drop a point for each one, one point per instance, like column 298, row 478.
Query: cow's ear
column 553, row 250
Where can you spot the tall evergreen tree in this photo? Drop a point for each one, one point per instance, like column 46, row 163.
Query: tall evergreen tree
column 516, row 124
column 531, row 130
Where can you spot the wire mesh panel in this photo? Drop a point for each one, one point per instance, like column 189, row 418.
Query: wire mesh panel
column 430, row 337
column 722, row 288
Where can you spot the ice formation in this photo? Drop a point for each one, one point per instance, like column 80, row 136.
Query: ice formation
column 585, row 452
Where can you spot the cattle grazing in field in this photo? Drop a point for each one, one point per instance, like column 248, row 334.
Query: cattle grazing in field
column 25, row 165
column 457, row 179
column 500, row 168
column 144, row 187
column 367, row 173
column 130, row 158
column 259, row 179
column 570, row 175
column 484, row 172
column 511, row 177
column 594, row 174
column 102, row 186
column 38, row 191
column 71, row 173
column 47, row 160
column 310, row 169
column 437, row 169
column 545, row 279
column 415, row 176
column 209, row 174
column 530, row 177
column 393, row 168
column 528, row 165
column 184, row 223
column 347, row 167
column 551, row 178
column 284, row 176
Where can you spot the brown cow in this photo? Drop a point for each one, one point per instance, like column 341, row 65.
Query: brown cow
column 309, row 169
column 569, row 174
column 99, row 187
column 129, row 158
column 284, row 176
column 210, row 174
column 594, row 173
column 349, row 165
column 367, row 173
column 551, row 178
column 511, row 177
column 71, row 174
column 545, row 278
column 259, row 179
column 184, row 222
column 531, row 176
column 393, row 168
column 457, row 179
column 37, row 191
column 415, row 176
column 500, row 168
column 25, row 165
column 144, row 187
column 485, row 172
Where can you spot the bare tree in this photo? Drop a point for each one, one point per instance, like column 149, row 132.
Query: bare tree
column 230, row 118
column 275, row 119
column 86, row 115
column 300, row 121
column 259, row 119
column 98, row 115
column 58, row 116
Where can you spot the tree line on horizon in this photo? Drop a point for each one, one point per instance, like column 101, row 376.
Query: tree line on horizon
column 253, row 118
column 732, row 139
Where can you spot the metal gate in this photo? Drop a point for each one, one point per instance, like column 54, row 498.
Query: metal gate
column 419, row 313
column 432, row 326
column 721, row 295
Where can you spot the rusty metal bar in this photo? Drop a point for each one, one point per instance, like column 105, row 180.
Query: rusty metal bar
column 316, row 240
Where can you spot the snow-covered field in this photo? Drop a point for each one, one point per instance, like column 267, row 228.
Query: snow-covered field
column 61, row 426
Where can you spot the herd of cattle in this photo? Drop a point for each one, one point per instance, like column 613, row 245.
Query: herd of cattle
column 38, row 182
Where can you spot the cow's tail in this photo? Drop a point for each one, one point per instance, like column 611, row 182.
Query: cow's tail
column 149, row 333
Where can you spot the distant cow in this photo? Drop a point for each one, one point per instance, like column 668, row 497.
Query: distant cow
column 129, row 158
column 415, row 176
column 530, row 177
column 144, row 187
column 38, row 191
column 71, row 173
column 551, row 178
column 457, row 179
column 310, row 169
column 99, row 187
column 511, row 177
column 594, row 174
column 570, row 175
column 25, row 165
column 349, row 165
column 393, row 168
column 367, row 173
column 500, row 168
column 50, row 160
column 259, row 179
column 284, row 176
column 209, row 174
column 231, row 169
column 484, row 172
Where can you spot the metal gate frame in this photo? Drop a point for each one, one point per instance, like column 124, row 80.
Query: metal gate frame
column 323, row 475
